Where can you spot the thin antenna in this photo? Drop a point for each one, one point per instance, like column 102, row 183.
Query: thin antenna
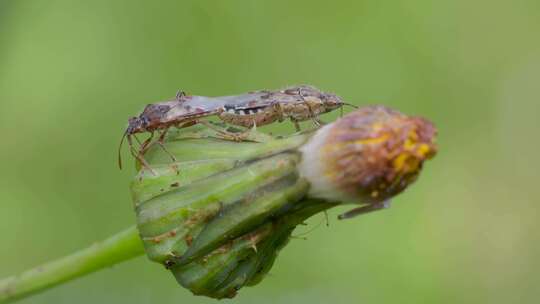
column 346, row 104
column 120, row 148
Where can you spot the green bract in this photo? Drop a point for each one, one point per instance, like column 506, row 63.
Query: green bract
column 218, row 217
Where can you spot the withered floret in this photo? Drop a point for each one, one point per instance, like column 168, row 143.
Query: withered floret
column 368, row 156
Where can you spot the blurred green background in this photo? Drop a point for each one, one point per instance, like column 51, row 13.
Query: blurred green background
column 72, row 72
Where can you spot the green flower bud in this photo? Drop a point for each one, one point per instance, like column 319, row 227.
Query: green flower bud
column 218, row 217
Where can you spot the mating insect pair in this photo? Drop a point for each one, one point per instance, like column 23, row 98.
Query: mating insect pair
column 248, row 110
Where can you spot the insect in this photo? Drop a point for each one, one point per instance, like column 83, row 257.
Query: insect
column 298, row 103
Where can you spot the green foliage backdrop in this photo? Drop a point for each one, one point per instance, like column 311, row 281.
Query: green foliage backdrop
column 71, row 72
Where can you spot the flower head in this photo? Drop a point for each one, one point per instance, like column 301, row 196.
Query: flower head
column 369, row 155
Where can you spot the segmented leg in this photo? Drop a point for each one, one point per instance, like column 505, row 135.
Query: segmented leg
column 217, row 129
column 316, row 121
column 137, row 139
column 138, row 156
column 244, row 135
column 296, row 125
column 364, row 209
column 180, row 94
column 161, row 143
column 146, row 144
column 229, row 135
column 279, row 111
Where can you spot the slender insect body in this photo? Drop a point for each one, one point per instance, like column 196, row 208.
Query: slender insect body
column 251, row 109
column 297, row 104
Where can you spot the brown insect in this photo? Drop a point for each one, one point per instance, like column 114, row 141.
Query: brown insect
column 248, row 110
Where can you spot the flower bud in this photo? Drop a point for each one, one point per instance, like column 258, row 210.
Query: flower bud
column 218, row 217
column 368, row 156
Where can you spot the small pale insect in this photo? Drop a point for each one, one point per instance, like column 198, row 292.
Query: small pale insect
column 258, row 108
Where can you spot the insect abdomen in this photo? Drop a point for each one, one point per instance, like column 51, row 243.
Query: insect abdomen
column 248, row 116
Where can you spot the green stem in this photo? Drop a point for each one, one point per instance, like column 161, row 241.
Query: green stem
column 117, row 248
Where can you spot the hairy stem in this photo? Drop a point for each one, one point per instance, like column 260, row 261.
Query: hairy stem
column 117, row 248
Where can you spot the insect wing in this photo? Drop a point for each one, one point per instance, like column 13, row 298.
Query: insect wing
column 244, row 100
column 188, row 110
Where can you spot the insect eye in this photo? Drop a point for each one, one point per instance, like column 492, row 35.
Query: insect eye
column 144, row 121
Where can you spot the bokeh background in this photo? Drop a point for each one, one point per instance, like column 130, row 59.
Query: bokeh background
column 72, row 72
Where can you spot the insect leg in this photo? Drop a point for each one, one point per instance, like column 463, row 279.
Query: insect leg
column 317, row 121
column 279, row 111
column 138, row 156
column 180, row 94
column 142, row 150
column 312, row 115
column 223, row 133
column 233, row 136
column 364, row 209
column 245, row 134
column 137, row 139
column 160, row 142
column 146, row 144
column 296, row 125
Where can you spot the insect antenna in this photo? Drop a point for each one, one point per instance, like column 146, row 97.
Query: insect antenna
column 345, row 104
column 138, row 140
column 350, row 105
column 120, row 148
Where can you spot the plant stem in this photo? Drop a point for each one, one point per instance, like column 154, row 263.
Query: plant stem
column 117, row 248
